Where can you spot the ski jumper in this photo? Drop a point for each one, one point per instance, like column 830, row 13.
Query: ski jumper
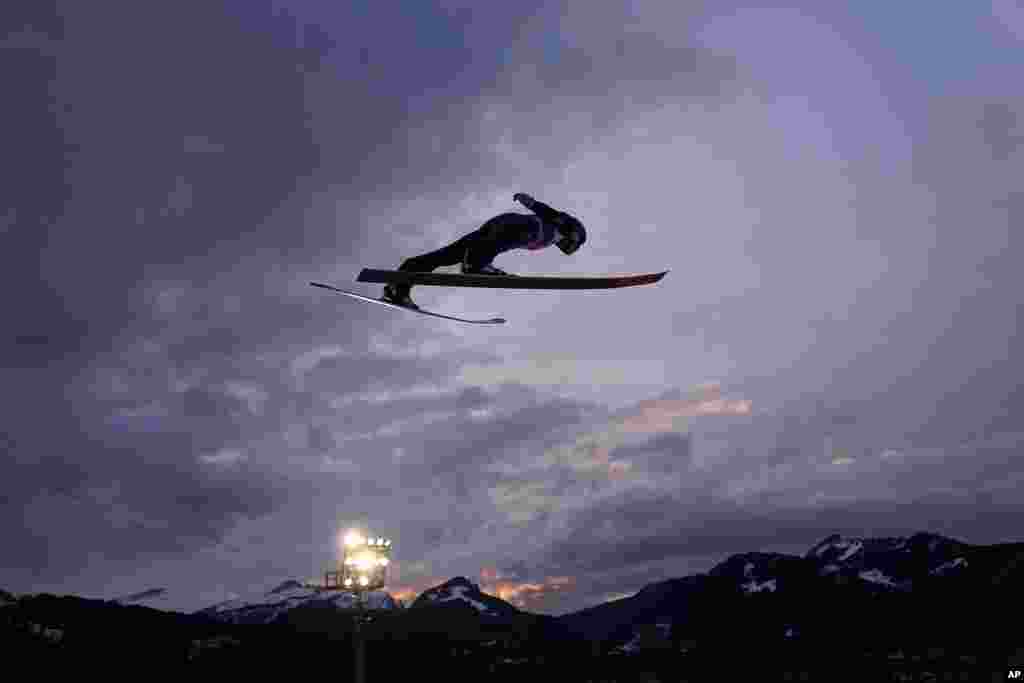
column 499, row 234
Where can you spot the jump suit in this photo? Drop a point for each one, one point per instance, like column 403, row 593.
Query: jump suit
column 499, row 234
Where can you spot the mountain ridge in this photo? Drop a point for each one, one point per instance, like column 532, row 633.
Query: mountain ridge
column 864, row 591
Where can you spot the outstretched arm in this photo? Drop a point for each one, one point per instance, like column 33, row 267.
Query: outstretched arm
column 540, row 208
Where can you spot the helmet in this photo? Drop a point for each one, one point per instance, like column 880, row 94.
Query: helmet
column 573, row 234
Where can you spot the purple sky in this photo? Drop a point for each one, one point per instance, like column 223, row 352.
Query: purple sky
column 835, row 191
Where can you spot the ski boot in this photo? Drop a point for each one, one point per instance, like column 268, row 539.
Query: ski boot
column 398, row 297
column 486, row 269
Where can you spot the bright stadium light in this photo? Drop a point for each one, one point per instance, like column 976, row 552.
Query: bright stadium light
column 364, row 561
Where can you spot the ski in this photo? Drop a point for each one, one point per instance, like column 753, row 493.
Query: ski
column 489, row 321
column 507, row 281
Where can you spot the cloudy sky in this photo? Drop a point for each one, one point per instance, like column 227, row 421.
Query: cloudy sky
column 834, row 187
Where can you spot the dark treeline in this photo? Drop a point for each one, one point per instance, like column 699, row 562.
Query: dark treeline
column 68, row 634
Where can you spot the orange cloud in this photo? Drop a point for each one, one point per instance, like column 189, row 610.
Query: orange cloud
column 589, row 455
column 522, row 594
column 406, row 595
column 407, row 592
column 668, row 415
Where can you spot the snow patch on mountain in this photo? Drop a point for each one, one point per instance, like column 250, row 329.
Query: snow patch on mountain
column 836, row 549
column 876, row 576
column 148, row 597
column 459, row 593
column 267, row 606
column 877, row 557
column 632, row 646
column 949, row 567
column 821, row 548
column 54, row 635
column 757, row 587
column 289, row 586
column 851, row 549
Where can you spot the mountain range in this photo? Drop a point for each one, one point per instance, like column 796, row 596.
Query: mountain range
column 844, row 593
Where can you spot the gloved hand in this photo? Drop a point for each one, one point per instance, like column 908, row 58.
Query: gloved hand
column 523, row 198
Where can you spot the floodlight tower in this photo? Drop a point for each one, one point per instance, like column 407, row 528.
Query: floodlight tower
column 365, row 562
column 364, row 566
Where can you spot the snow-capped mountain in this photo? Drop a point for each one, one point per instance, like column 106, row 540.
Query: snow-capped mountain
column 460, row 612
column 759, row 572
column 837, row 570
column 461, row 590
column 263, row 608
column 893, row 563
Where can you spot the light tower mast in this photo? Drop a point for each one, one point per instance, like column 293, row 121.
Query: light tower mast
column 363, row 568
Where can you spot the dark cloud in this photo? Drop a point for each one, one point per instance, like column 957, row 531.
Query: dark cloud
column 473, row 442
column 321, row 439
column 953, row 358
column 999, row 124
column 516, row 570
column 353, row 374
column 609, row 537
column 452, row 458
column 115, row 513
column 574, row 73
column 666, row 453
column 471, row 398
